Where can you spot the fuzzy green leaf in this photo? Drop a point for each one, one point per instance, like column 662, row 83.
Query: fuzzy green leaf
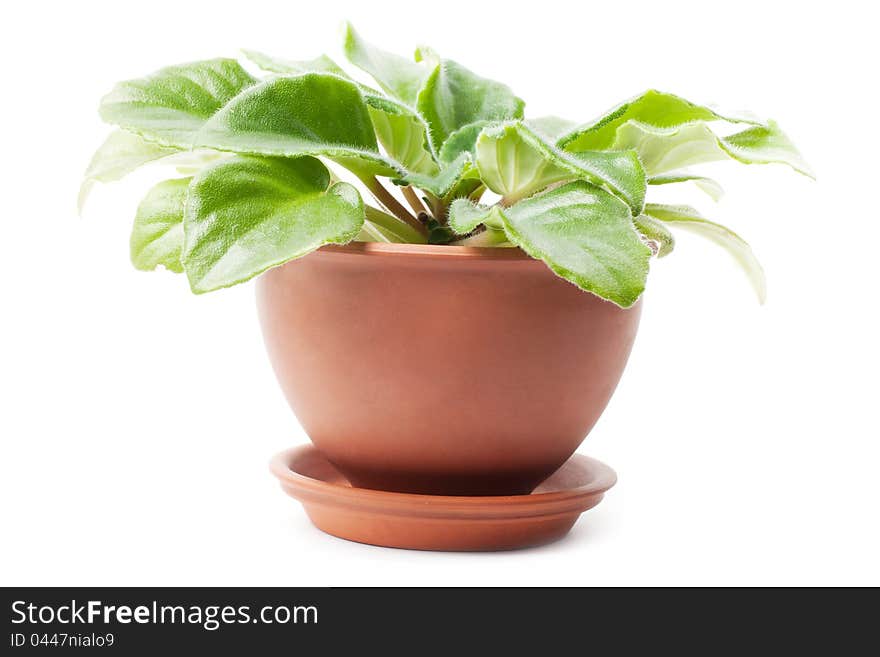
column 707, row 185
column 399, row 77
column 120, row 154
column 157, row 234
column 248, row 214
column 585, row 235
column 453, row 97
column 171, row 105
column 550, row 127
column 311, row 114
column 465, row 216
column 653, row 108
column 463, row 140
column 656, row 231
column 403, row 134
column 687, row 218
column 515, row 162
column 124, row 152
column 765, row 144
column 670, row 133
column 189, row 163
column 443, row 181
column 321, row 64
column 467, row 185
column 667, row 149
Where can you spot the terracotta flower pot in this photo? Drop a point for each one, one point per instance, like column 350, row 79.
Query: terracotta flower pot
column 441, row 370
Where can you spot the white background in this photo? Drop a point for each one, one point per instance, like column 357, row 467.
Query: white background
column 137, row 420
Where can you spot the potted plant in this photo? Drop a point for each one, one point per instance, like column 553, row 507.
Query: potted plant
column 461, row 334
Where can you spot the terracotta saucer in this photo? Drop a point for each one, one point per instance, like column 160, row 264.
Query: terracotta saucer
column 439, row 522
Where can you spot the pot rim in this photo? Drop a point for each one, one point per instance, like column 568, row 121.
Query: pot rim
column 430, row 251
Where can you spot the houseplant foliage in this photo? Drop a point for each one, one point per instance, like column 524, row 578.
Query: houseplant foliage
column 260, row 162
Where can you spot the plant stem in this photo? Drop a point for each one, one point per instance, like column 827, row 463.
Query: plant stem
column 413, row 199
column 392, row 224
column 371, row 233
column 477, row 194
column 385, row 198
column 438, row 207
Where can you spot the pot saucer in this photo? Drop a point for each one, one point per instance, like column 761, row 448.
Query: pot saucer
column 440, row 522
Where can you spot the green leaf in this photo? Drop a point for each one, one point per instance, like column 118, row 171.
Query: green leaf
column 248, row 214
column 656, row 231
column 687, row 218
column 515, row 162
column 157, row 234
column 441, row 183
column 585, row 235
column 670, row 133
column 403, row 135
column 764, row 145
column 467, row 185
column 707, row 185
column 171, row 105
column 667, row 149
column 453, row 97
column 653, row 108
column 321, row 64
column 465, row 216
column 120, row 154
column 463, row 140
column 189, row 163
column 124, row 152
column 289, row 116
column 311, row 114
column 399, row 77
column 550, row 127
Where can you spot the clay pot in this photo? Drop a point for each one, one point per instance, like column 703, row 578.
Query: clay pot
column 441, row 370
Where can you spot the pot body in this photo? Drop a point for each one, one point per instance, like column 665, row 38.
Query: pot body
column 441, row 370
